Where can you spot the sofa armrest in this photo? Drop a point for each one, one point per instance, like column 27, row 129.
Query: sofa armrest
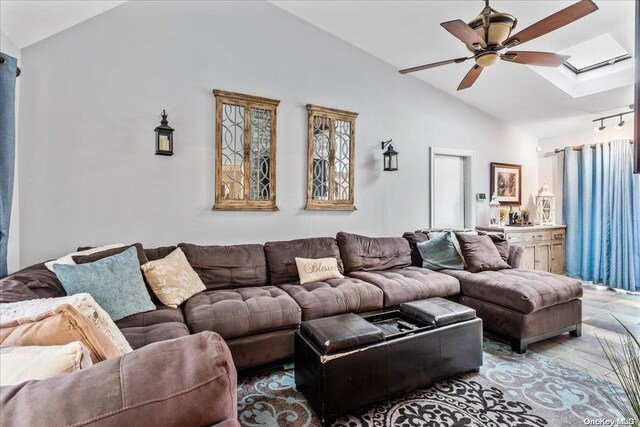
column 515, row 256
column 185, row 381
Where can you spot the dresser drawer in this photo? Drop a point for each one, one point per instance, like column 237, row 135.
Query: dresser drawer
column 536, row 236
column 514, row 238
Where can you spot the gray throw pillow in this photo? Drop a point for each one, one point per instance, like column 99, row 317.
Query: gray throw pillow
column 440, row 253
column 114, row 282
column 501, row 245
column 480, row 254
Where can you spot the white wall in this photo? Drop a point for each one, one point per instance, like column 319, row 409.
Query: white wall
column 93, row 94
column 551, row 164
column 13, row 260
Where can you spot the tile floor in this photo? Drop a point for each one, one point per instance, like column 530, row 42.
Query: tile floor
column 599, row 306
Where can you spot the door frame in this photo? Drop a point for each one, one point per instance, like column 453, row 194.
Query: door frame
column 469, row 168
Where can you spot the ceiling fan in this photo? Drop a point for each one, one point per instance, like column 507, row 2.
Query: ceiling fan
column 490, row 32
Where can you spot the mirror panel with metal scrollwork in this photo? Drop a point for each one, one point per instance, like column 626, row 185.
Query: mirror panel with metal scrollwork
column 245, row 152
column 331, row 138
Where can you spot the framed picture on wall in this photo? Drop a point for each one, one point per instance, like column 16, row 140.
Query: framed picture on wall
column 506, row 182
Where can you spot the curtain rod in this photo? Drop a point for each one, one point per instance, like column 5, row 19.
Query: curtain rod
column 579, row 147
column 18, row 72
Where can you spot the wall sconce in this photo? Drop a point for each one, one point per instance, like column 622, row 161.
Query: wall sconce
column 164, row 137
column 390, row 157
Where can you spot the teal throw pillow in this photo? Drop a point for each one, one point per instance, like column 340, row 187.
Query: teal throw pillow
column 114, row 282
column 440, row 253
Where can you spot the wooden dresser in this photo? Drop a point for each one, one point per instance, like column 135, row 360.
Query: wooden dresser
column 543, row 245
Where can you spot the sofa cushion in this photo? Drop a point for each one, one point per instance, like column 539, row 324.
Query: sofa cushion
column 335, row 296
column 410, row 284
column 139, row 336
column 361, row 253
column 480, row 253
column 162, row 314
column 225, row 267
column 158, row 253
column 15, row 291
column 522, row 290
column 244, row 311
column 281, row 256
column 39, row 279
column 414, row 238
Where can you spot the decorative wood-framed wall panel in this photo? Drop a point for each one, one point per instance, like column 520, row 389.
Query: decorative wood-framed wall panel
column 245, row 149
column 330, row 159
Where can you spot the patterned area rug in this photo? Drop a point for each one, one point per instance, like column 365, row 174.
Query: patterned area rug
column 510, row 390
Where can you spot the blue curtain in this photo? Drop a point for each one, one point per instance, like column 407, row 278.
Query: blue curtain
column 602, row 213
column 7, row 150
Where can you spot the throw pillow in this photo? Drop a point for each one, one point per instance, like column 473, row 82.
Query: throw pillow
column 114, row 282
column 60, row 326
column 480, row 253
column 317, row 270
column 440, row 253
column 20, row 364
column 86, row 259
column 173, row 279
column 501, row 244
column 83, row 302
column 68, row 259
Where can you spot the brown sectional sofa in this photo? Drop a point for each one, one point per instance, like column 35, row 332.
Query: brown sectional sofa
column 255, row 303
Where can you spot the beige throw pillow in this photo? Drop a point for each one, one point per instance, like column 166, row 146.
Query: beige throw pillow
column 173, row 279
column 60, row 326
column 20, row 364
column 317, row 270
column 83, row 302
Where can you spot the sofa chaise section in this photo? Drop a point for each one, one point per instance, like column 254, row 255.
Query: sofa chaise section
column 524, row 305
column 239, row 303
column 319, row 299
column 386, row 263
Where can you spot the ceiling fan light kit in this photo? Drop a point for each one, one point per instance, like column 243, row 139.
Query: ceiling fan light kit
column 490, row 32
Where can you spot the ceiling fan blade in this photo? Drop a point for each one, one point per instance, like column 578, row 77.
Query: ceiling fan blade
column 463, row 32
column 433, row 65
column 471, row 77
column 553, row 22
column 544, row 59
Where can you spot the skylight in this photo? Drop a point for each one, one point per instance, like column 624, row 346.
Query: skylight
column 595, row 53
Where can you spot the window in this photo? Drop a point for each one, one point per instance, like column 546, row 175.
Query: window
column 330, row 162
column 245, row 152
column 595, row 53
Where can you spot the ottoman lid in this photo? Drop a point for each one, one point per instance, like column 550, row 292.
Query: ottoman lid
column 438, row 311
column 338, row 333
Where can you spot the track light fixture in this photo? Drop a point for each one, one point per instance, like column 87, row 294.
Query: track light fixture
column 618, row 126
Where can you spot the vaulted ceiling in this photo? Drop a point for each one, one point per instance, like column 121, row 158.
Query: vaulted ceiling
column 407, row 33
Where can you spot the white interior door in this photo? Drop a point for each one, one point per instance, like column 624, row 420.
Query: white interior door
column 449, row 192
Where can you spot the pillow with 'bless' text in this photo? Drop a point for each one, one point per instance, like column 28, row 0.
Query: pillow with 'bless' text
column 317, row 270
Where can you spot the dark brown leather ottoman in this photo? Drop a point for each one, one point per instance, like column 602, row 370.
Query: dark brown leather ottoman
column 346, row 363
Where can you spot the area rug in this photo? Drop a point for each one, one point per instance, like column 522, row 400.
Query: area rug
column 510, row 390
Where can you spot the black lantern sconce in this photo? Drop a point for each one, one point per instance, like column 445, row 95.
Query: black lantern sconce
column 164, row 137
column 390, row 157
